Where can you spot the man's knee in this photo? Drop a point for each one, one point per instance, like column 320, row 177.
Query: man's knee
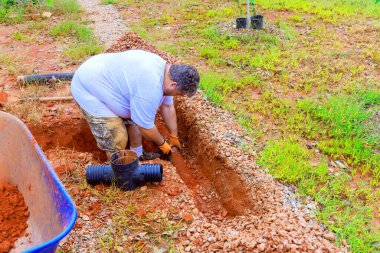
column 110, row 133
column 118, row 133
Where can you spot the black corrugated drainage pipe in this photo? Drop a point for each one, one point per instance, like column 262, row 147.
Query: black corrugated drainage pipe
column 125, row 171
column 44, row 78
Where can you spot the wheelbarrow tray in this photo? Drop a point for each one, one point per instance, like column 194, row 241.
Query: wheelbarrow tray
column 22, row 163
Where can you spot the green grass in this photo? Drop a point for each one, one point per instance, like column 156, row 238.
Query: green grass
column 328, row 10
column 12, row 14
column 83, row 42
column 72, row 28
column 79, row 52
column 22, row 37
column 343, row 211
column 301, row 79
column 37, row 25
column 109, row 1
column 7, row 61
column 64, row 7
column 12, row 64
column 342, row 132
column 15, row 12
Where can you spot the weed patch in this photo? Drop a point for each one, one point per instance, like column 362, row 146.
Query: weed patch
column 342, row 208
column 64, row 7
column 78, row 52
column 72, row 28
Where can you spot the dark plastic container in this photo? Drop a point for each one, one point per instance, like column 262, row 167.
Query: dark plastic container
column 128, row 174
column 123, row 164
column 257, row 21
column 241, row 23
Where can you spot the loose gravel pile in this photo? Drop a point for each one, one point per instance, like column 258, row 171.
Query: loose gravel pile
column 276, row 222
column 130, row 41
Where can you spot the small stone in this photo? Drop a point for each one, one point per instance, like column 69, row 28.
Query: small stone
column 141, row 212
column 75, row 191
column 127, row 231
column 187, row 217
column 188, row 248
column 216, row 246
column 261, row 247
column 206, row 225
column 329, row 236
column 119, row 249
column 85, row 217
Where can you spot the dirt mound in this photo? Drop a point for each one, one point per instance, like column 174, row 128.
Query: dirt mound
column 131, row 41
column 13, row 216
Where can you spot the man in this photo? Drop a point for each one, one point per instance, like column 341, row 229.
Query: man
column 119, row 95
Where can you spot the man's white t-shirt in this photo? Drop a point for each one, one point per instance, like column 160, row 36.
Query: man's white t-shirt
column 127, row 85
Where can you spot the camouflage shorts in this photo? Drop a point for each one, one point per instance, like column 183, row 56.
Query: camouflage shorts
column 110, row 133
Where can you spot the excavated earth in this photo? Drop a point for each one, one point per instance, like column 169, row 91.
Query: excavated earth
column 222, row 199
column 13, row 216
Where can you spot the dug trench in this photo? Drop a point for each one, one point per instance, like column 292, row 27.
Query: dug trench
column 199, row 164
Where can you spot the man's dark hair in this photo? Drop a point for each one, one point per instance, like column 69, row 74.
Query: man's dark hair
column 186, row 77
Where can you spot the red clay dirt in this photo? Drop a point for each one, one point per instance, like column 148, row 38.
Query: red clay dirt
column 71, row 131
column 13, row 216
column 3, row 97
column 227, row 184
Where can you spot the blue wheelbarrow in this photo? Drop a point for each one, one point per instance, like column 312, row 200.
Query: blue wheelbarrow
column 22, row 163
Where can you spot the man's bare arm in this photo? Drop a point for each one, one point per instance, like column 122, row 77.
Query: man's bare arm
column 153, row 135
column 170, row 118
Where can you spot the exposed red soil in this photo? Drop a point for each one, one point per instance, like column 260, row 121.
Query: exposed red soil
column 223, row 178
column 68, row 130
column 13, row 216
column 73, row 133
column 227, row 184
column 3, row 97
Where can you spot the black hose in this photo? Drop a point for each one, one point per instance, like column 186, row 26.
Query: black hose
column 45, row 78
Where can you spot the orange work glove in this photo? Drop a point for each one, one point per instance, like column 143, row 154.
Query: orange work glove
column 165, row 148
column 174, row 141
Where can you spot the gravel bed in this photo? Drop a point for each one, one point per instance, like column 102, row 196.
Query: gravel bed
column 106, row 21
column 277, row 222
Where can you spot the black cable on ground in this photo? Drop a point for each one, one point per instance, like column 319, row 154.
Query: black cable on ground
column 45, row 78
